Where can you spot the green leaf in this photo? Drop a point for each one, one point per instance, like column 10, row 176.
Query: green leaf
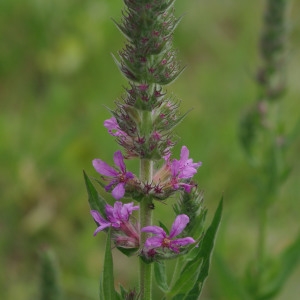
column 285, row 265
column 101, row 293
column 95, row 200
column 107, row 282
column 50, row 286
column 187, row 279
column 160, row 275
column 123, row 291
column 164, row 227
column 128, row 251
column 178, row 297
column 204, row 254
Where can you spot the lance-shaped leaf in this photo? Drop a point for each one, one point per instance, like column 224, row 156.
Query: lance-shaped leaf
column 107, row 289
column 95, row 200
column 186, row 280
column 203, row 257
column 160, row 275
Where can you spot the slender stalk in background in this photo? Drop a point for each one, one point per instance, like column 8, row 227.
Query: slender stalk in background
column 264, row 139
column 271, row 82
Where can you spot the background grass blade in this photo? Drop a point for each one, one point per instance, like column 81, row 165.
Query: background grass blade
column 50, row 286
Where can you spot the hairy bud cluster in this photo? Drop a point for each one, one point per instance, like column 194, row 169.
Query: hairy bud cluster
column 145, row 115
column 148, row 55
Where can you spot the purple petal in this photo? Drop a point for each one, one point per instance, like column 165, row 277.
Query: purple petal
column 113, row 127
column 117, row 210
column 179, row 224
column 113, row 182
column 101, row 227
column 101, row 221
column 167, row 157
column 184, row 154
column 103, row 168
column 109, row 210
column 154, row 242
column 129, row 175
column 97, row 217
column 118, row 159
column 175, row 167
column 183, row 241
column 187, row 172
column 111, row 123
column 189, row 169
column 187, row 187
column 127, row 210
column 119, row 191
column 192, row 164
column 155, row 230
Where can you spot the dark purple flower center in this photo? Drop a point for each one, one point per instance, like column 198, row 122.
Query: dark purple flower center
column 166, row 243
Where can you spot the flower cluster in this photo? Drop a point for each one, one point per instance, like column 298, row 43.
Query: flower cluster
column 126, row 234
column 172, row 176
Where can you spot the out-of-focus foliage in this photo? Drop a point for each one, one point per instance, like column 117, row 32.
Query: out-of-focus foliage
column 56, row 77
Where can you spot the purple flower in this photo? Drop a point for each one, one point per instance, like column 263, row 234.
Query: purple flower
column 118, row 178
column 174, row 174
column 116, row 216
column 113, row 127
column 185, row 167
column 163, row 240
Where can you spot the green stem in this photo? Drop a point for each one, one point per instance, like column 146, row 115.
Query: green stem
column 261, row 241
column 145, row 280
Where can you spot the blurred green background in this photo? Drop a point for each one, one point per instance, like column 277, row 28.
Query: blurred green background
column 56, row 77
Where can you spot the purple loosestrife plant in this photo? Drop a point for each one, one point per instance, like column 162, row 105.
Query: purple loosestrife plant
column 143, row 123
